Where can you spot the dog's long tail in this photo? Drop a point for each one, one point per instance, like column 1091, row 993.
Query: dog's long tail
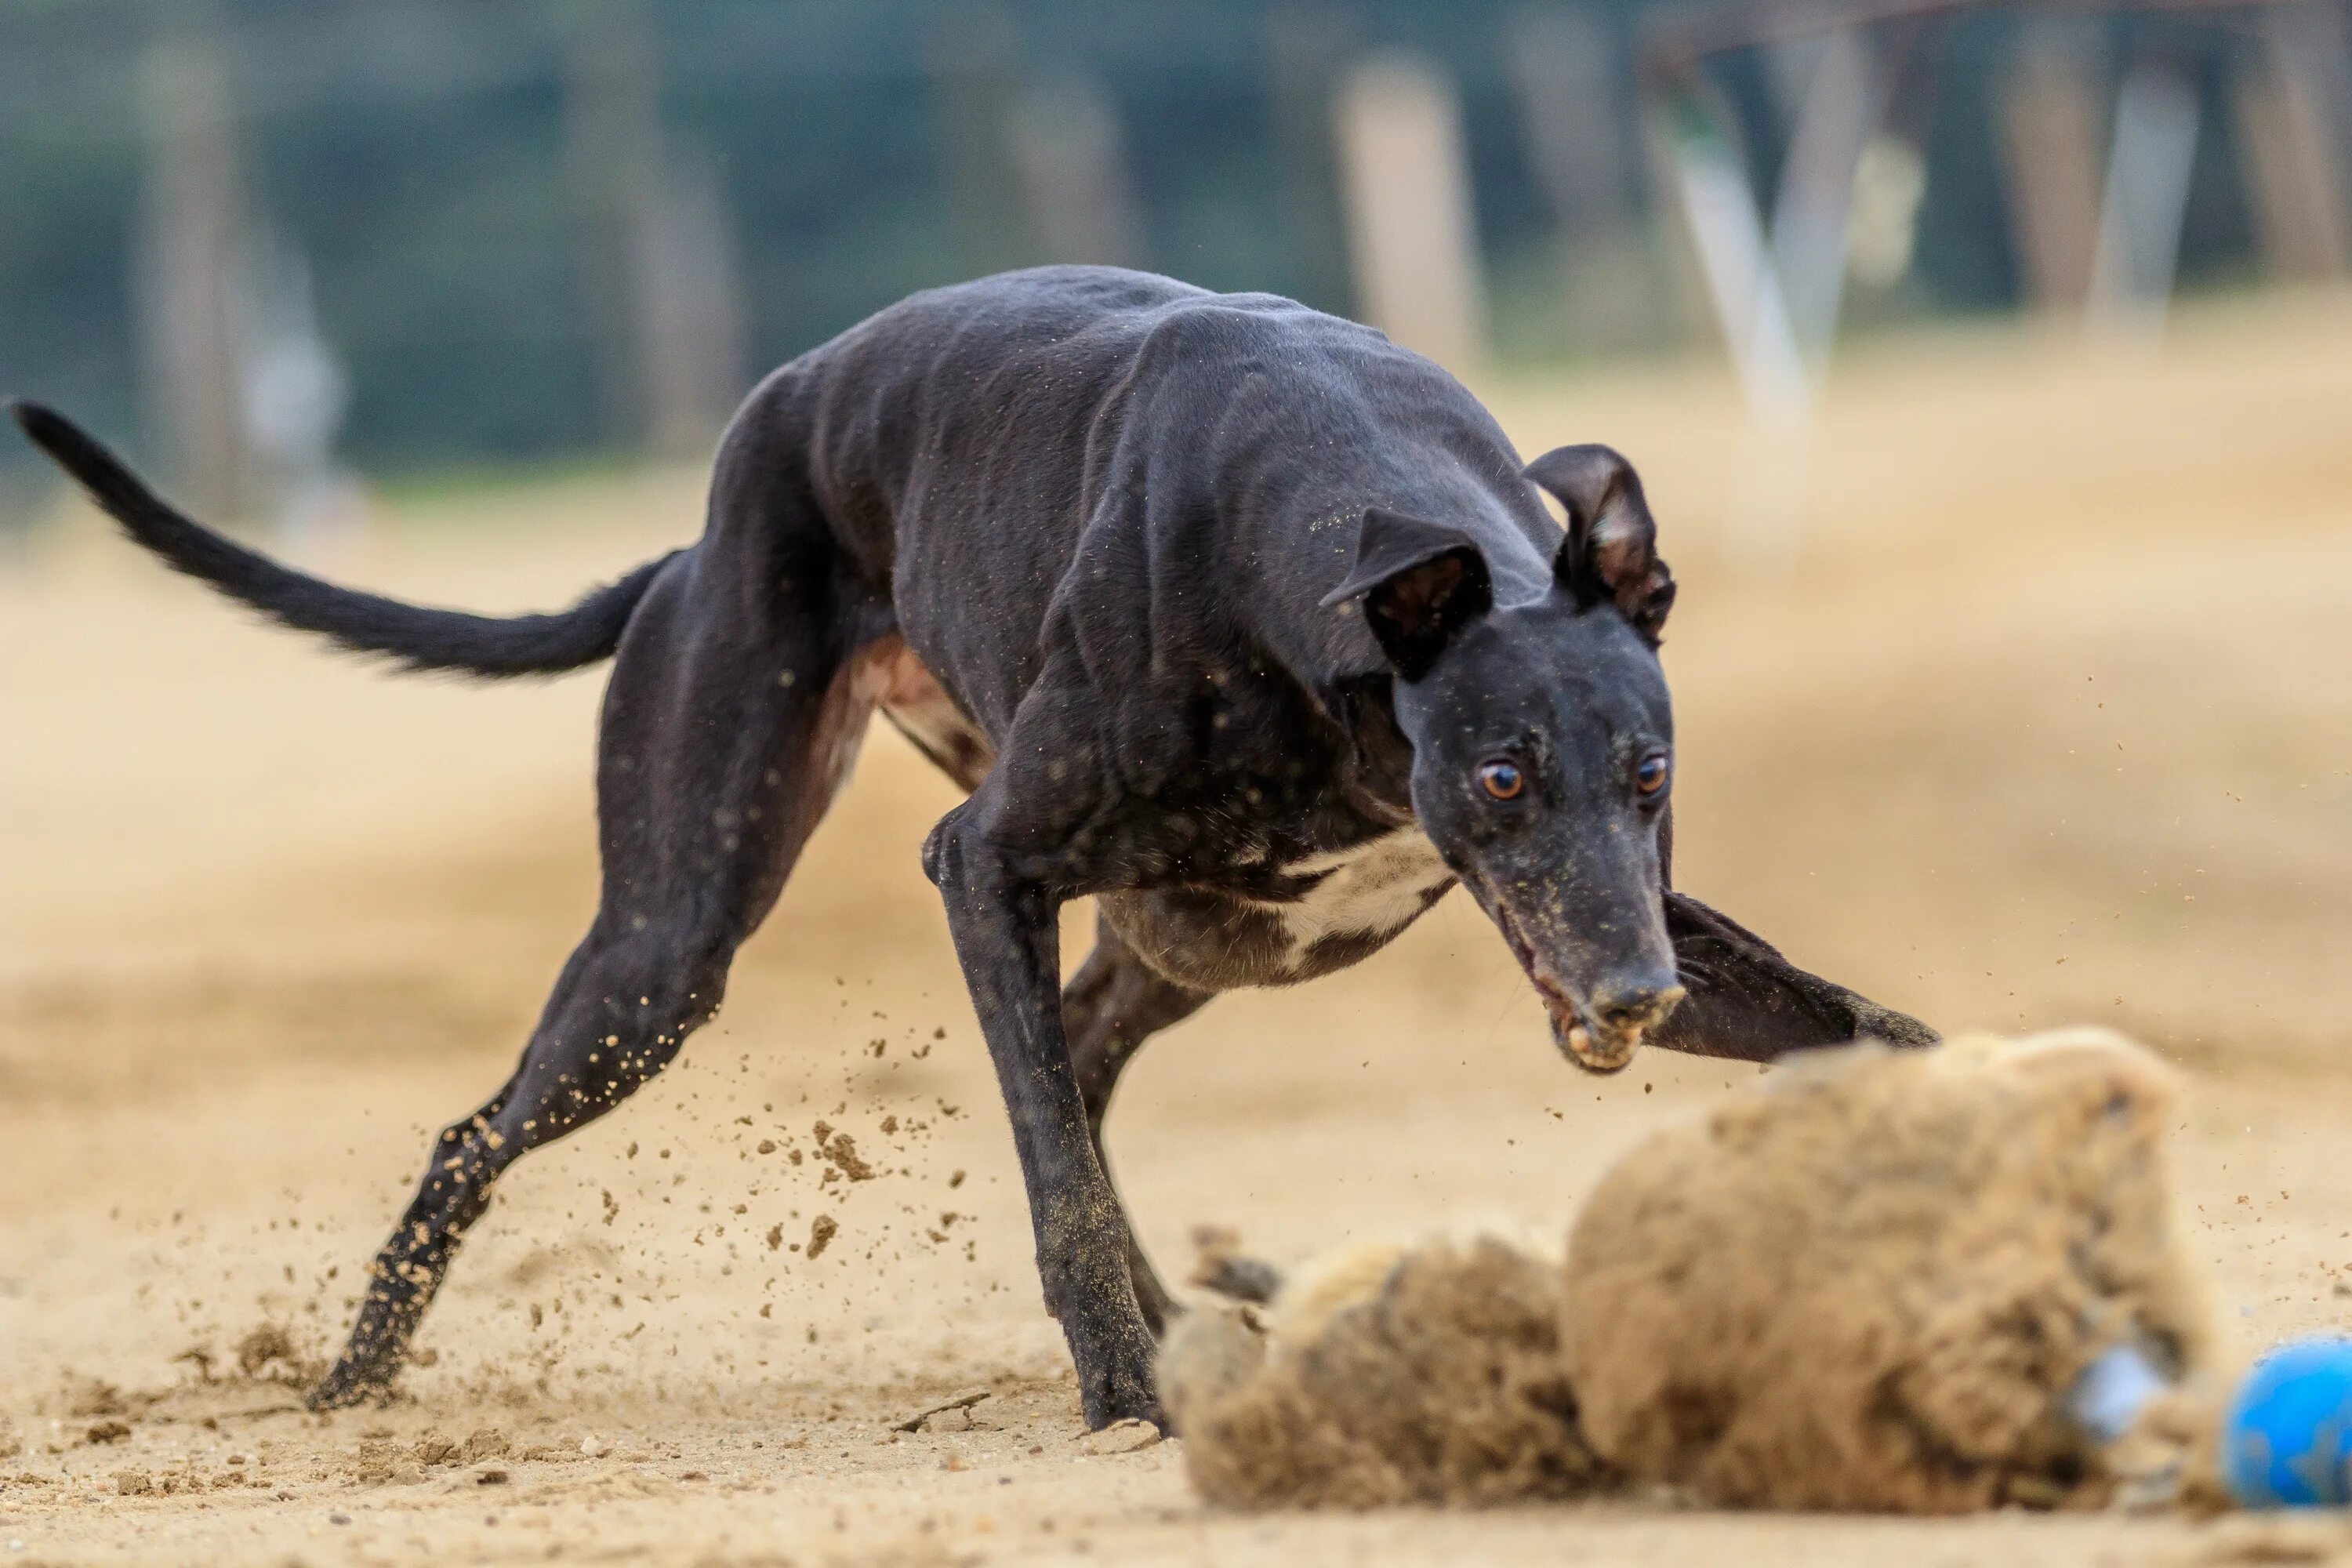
column 417, row 637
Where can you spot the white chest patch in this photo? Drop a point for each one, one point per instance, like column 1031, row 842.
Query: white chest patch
column 1376, row 887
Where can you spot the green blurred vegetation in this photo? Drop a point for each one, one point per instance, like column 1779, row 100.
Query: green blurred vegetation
column 416, row 150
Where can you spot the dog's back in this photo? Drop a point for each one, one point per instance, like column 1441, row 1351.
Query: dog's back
column 1206, row 454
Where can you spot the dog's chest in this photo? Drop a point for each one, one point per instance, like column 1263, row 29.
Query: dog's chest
column 1296, row 919
column 1372, row 888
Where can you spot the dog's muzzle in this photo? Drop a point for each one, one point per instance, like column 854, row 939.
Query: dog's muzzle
column 1602, row 1037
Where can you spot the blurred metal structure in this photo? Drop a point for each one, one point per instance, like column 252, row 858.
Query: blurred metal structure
column 2108, row 243
column 557, row 226
column 2147, row 193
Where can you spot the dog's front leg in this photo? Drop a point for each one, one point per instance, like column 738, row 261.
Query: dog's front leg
column 1748, row 1002
column 1006, row 938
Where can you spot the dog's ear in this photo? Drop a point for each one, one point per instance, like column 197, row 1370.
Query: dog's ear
column 1612, row 551
column 1421, row 583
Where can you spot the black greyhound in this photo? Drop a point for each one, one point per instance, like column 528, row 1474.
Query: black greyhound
column 1232, row 614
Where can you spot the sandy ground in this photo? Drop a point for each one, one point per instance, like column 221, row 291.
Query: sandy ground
column 2050, row 720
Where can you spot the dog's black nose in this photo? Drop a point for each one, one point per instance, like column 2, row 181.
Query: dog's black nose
column 1636, row 1008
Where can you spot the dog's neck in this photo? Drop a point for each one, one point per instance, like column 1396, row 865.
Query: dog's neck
column 1376, row 777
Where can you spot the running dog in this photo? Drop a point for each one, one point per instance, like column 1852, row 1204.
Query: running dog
column 1229, row 615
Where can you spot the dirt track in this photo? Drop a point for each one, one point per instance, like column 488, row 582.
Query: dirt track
column 2053, row 722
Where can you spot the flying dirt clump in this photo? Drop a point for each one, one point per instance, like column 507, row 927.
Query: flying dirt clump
column 268, row 1353
column 1385, row 1374
column 839, row 1149
column 1875, row 1281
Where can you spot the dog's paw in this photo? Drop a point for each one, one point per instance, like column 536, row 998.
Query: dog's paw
column 1147, row 1410
column 347, row 1385
column 1125, row 1391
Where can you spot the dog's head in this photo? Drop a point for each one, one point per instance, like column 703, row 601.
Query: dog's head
column 1543, row 741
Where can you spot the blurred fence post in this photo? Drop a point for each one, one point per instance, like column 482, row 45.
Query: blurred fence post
column 1066, row 151
column 193, row 287
column 2316, row 37
column 1620, row 290
column 663, row 299
column 2294, row 110
column 975, row 63
column 1305, row 41
column 2146, row 195
column 1559, row 61
column 1406, row 178
column 607, row 104
column 690, row 303
column 2050, row 125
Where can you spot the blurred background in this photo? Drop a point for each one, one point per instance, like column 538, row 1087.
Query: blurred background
column 262, row 240
column 1989, row 370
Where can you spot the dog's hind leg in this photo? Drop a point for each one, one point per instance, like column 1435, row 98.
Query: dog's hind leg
column 1109, row 1008
column 730, row 720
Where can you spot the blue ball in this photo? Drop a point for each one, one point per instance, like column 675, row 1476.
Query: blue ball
column 2287, row 1439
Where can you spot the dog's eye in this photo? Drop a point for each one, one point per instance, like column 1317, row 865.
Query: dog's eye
column 1502, row 779
column 1651, row 777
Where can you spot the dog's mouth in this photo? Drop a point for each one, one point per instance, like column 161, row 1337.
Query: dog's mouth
column 1581, row 1038
column 1595, row 1052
